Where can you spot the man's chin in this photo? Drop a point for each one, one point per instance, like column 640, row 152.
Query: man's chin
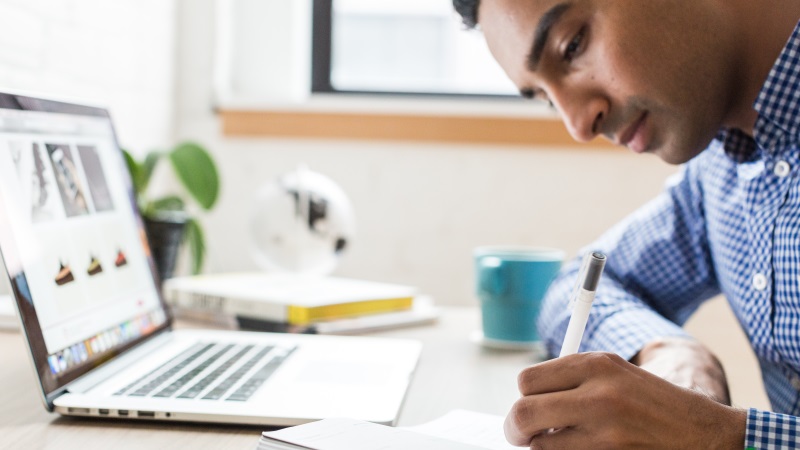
column 674, row 155
column 671, row 158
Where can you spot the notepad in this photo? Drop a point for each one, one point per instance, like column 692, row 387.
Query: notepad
column 456, row 430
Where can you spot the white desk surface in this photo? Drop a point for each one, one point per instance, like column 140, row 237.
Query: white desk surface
column 452, row 373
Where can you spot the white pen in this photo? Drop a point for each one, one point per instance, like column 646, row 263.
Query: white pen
column 588, row 279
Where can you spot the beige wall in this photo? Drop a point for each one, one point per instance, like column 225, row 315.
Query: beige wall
column 421, row 209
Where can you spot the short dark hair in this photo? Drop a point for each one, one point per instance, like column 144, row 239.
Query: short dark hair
column 468, row 9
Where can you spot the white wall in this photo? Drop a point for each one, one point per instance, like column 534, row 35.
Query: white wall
column 117, row 53
column 421, row 208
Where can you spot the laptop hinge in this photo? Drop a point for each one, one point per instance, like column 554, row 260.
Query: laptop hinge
column 118, row 364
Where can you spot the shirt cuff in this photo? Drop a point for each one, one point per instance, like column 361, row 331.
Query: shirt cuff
column 767, row 430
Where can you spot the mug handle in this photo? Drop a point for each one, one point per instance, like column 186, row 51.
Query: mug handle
column 489, row 279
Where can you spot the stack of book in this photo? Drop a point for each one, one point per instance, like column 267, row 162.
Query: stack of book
column 285, row 302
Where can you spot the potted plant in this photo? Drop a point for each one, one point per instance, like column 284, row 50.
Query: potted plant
column 167, row 218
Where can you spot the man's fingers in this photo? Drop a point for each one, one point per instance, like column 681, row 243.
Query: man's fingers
column 563, row 439
column 531, row 416
column 555, row 375
column 564, row 394
column 566, row 373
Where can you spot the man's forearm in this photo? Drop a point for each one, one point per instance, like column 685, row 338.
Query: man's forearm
column 686, row 363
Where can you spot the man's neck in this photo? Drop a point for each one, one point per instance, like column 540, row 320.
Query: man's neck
column 762, row 29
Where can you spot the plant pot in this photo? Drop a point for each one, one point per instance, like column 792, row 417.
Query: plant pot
column 165, row 234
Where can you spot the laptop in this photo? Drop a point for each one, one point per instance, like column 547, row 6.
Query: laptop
column 100, row 336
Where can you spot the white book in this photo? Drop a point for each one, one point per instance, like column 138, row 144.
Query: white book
column 285, row 297
column 456, row 430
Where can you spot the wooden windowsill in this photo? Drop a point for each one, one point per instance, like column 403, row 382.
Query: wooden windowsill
column 511, row 123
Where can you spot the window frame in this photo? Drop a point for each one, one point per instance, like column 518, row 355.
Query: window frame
column 321, row 52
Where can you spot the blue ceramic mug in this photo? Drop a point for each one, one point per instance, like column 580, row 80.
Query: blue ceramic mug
column 511, row 283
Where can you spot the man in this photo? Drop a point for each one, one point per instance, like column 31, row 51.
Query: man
column 714, row 84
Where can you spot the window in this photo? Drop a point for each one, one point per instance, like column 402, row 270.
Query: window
column 400, row 47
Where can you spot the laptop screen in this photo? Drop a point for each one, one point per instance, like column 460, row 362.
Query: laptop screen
column 72, row 241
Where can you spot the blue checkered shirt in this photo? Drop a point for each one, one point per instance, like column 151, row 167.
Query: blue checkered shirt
column 728, row 223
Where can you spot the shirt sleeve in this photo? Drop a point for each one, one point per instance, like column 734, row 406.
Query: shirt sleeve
column 659, row 270
column 771, row 431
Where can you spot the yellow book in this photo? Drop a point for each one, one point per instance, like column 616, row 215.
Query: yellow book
column 301, row 315
column 284, row 297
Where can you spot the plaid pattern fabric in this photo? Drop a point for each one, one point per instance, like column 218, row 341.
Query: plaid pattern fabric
column 728, row 223
column 771, row 431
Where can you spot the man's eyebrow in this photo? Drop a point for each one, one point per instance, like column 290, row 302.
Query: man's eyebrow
column 542, row 31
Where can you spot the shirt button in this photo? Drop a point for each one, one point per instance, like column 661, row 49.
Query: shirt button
column 759, row 281
column 782, row 169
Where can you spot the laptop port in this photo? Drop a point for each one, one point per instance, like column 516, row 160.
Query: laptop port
column 150, row 414
column 122, row 412
column 102, row 412
column 78, row 410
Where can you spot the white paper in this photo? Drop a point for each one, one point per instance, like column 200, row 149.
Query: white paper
column 351, row 434
column 456, row 430
column 482, row 430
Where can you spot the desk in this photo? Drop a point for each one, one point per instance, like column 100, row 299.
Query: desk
column 452, row 373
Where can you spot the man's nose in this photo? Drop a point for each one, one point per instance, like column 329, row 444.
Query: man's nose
column 583, row 115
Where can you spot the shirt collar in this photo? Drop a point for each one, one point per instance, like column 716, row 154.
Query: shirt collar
column 738, row 145
column 778, row 108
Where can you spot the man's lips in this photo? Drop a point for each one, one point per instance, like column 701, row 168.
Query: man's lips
column 635, row 136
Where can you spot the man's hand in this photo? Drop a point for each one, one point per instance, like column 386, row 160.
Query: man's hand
column 599, row 400
column 686, row 363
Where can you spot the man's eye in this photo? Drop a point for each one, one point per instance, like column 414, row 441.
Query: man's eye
column 574, row 45
column 527, row 93
column 537, row 95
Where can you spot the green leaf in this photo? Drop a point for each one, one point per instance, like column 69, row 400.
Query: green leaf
column 168, row 203
column 197, row 246
column 135, row 170
column 148, row 167
column 197, row 171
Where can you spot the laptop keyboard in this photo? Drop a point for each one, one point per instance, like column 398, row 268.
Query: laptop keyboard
column 212, row 372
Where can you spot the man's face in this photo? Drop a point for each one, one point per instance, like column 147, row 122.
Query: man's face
column 652, row 75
